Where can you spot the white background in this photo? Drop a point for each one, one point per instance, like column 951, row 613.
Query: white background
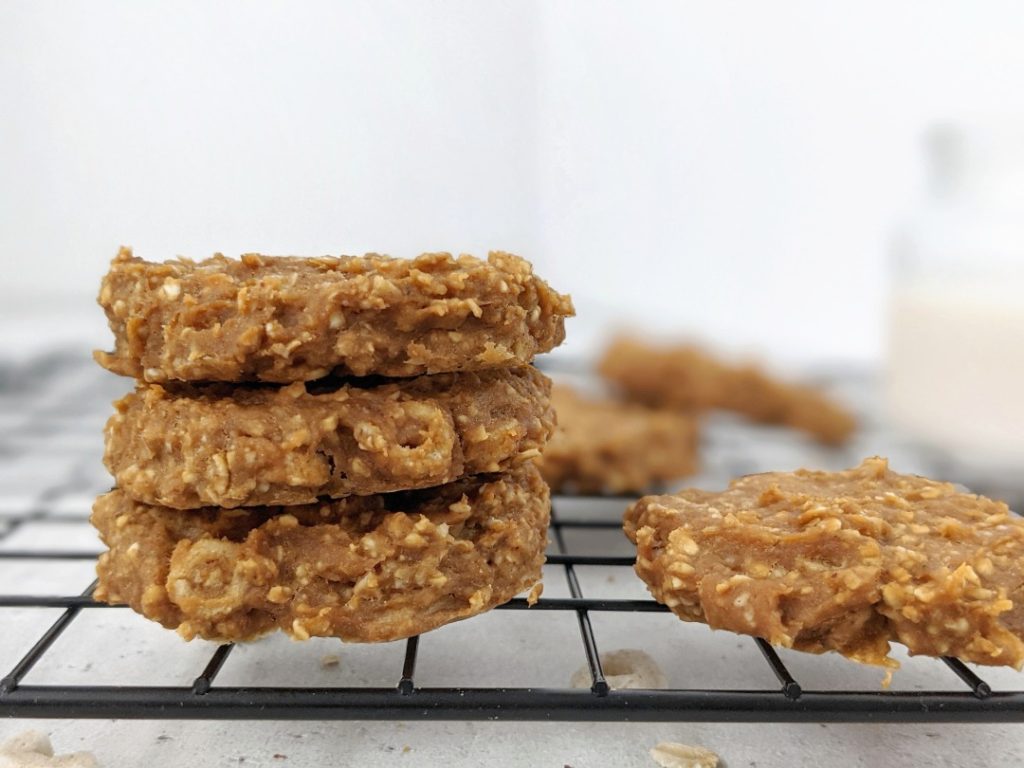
column 732, row 170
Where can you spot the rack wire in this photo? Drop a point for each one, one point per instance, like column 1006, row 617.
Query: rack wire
column 51, row 412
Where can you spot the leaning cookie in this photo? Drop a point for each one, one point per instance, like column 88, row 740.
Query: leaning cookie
column 231, row 446
column 364, row 569
column 280, row 319
column 842, row 561
column 607, row 446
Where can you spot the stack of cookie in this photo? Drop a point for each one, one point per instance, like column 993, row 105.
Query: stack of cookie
column 270, row 477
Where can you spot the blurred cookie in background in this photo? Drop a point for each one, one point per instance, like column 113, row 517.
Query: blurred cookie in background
column 602, row 445
column 687, row 378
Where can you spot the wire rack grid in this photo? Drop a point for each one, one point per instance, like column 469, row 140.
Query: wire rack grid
column 51, row 411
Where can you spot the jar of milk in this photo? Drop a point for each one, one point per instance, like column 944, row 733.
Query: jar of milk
column 955, row 360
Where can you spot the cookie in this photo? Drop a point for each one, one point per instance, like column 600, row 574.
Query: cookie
column 844, row 561
column 364, row 568
column 688, row 378
column 608, row 446
column 190, row 446
column 281, row 319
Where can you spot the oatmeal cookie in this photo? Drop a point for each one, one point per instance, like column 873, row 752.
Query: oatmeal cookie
column 845, row 561
column 364, row 568
column 688, row 378
column 190, row 446
column 281, row 319
column 603, row 445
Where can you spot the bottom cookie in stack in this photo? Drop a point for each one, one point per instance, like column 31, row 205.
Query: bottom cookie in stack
column 363, row 568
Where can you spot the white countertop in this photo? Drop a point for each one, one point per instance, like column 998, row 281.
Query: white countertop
column 527, row 745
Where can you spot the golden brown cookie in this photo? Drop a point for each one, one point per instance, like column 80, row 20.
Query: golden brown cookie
column 688, row 378
column 365, row 568
column 603, row 445
column 844, row 561
column 190, row 446
column 281, row 319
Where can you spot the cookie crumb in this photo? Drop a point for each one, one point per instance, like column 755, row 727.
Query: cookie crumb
column 535, row 593
column 35, row 742
column 330, row 660
column 671, row 754
column 32, row 749
column 626, row 668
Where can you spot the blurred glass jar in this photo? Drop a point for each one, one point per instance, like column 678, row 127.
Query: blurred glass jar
column 955, row 372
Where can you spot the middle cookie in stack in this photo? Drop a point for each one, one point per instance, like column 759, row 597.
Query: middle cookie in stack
column 364, row 509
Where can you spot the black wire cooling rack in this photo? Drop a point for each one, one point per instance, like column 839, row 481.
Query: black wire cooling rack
column 51, row 412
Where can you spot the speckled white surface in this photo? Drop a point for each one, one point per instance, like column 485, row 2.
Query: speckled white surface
column 514, row 647
column 525, row 745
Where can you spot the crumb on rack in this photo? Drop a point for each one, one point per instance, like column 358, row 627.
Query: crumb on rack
column 535, row 593
column 671, row 754
column 626, row 668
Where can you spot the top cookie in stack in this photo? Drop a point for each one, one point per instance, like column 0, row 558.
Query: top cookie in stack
column 281, row 319
column 343, row 503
